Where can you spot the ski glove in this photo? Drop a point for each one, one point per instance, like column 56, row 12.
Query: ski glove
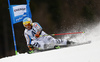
column 30, row 47
column 37, row 34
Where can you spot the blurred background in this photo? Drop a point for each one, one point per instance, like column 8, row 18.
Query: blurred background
column 55, row 16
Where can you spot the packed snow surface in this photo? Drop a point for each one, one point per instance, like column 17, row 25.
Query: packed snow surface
column 83, row 53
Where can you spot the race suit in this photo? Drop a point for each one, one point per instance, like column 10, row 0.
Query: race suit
column 43, row 42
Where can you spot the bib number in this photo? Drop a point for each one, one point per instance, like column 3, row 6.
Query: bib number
column 33, row 32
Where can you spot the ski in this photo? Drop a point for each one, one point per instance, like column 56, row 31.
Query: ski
column 79, row 43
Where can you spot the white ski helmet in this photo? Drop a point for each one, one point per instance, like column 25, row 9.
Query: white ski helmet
column 26, row 21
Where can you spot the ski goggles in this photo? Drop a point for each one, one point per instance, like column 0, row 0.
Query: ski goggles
column 27, row 23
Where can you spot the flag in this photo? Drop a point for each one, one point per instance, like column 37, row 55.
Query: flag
column 17, row 14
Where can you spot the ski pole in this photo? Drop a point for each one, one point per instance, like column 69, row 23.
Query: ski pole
column 62, row 34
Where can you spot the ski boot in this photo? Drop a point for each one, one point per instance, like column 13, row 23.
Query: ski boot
column 69, row 43
column 56, row 47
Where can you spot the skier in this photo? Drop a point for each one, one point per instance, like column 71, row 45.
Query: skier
column 32, row 34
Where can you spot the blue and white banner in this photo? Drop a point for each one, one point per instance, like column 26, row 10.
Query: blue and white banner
column 19, row 12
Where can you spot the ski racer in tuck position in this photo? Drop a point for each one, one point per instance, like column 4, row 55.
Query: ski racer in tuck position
column 32, row 34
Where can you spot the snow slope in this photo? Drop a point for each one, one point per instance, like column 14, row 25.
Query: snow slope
column 82, row 53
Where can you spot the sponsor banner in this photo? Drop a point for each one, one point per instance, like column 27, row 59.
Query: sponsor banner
column 19, row 12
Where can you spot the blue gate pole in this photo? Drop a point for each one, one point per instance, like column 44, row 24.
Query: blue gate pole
column 28, row 9
column 14, row 39
column 13, row 30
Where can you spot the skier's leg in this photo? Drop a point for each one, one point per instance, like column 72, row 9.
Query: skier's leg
column 51, row 40
column 54, row 41
column 38, row 44
column 61, row 41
